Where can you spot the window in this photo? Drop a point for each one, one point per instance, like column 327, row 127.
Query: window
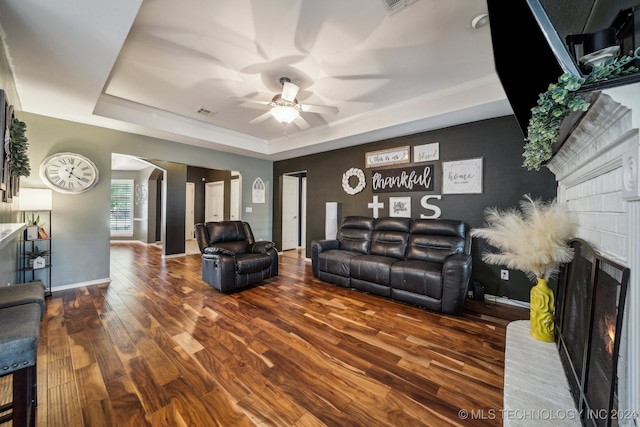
column 121, row 222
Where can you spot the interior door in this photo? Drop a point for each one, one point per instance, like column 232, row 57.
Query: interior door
column 235, row 199
column 214, row 201
column 190, row 216
column 290, row 203
column 303, row 212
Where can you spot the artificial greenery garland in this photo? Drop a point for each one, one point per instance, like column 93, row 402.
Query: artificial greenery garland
column 559, row 101
column 19, row 160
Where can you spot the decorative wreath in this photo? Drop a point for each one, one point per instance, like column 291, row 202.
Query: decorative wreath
column 345, row 181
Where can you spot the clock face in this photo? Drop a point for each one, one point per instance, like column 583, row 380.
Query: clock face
column 69, row 173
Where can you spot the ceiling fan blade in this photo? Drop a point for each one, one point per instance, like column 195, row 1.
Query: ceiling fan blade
column 261, row 118
column 301, row 123
column 289, row 91
column 252, row 100
column 323, row 109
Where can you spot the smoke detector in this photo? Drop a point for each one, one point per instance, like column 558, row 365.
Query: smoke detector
column 479, row 20
column 206, row 112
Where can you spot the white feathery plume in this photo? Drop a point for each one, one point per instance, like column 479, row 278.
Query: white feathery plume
column 533, row 240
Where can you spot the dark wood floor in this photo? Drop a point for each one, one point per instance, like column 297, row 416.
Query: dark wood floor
column 159, row 347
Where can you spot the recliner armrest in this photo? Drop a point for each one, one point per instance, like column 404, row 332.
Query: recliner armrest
column 261, row 247
column 211, row 250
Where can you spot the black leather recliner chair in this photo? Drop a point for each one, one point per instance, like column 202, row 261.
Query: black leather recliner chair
column 231, row 258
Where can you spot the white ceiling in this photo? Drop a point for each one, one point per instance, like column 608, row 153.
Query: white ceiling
column 148, row 66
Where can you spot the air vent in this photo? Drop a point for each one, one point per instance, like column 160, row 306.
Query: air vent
column 206, row 112
column 395, row 5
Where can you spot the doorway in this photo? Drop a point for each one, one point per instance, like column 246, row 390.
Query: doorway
column 214, row 201
column 293, row 210
column 156, row 206
column 190, row 217
column 235, row 214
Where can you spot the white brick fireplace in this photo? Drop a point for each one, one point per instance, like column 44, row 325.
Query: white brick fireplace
column 597, row 170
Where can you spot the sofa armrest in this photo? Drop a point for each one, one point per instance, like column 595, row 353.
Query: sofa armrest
column 456, row 275
column 261, row 247
column 325, row 245
column 317, row 247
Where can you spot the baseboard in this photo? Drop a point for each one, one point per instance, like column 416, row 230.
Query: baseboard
column 504, row 300
column 80, row 284
column 183, row 254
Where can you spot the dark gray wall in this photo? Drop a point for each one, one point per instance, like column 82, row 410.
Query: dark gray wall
column 498, row 141
column 200, row 176
column 176, row 194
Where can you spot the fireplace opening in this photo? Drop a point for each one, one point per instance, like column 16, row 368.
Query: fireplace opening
column 589, row 310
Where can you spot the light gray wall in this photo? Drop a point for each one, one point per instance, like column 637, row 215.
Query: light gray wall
column 140, row 207
column 80, row 223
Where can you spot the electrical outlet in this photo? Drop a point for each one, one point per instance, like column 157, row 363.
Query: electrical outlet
column 504, row 274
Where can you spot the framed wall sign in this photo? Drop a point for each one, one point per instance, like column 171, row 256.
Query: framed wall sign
column 462, row 176
column 426, row 152
column 412, row 178
column 391, row 156
column 258, row 191
column 400, row 207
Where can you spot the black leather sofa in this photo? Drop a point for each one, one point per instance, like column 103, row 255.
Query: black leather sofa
column 231, row 258
column 425, row 262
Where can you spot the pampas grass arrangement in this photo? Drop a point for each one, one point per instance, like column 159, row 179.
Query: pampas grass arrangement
column 533, row 240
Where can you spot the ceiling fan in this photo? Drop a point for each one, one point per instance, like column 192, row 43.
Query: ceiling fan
column 285, row 108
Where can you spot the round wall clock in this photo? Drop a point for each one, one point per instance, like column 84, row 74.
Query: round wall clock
column 69, row 173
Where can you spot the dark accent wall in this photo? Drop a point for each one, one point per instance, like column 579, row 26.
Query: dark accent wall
column 498, row 141
column 200, row 176
column 176, row 195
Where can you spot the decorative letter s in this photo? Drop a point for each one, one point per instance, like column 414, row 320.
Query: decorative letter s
column 425, row 204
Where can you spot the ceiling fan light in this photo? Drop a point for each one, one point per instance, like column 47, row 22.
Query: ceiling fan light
column 284, row 114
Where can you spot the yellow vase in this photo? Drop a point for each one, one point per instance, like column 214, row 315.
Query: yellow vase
column 541, row 312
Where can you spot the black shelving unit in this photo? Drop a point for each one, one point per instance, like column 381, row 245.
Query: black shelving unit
column 32, row 242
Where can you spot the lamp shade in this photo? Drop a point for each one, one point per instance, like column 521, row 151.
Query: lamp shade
column 284, row 114
column 35, row 199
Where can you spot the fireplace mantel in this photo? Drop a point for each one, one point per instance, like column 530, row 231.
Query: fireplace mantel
column 598, row 131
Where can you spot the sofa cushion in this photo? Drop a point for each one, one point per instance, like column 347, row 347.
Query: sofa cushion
column 419, row 277
column 372, row 268
column 435, row 240
column 336, row 261
column 355, row 234
column 252, row 263
column 390, row 236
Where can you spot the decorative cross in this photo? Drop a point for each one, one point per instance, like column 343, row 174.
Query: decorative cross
column 375, row 206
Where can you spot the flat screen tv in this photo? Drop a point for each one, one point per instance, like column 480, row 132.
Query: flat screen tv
column 530, row 47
